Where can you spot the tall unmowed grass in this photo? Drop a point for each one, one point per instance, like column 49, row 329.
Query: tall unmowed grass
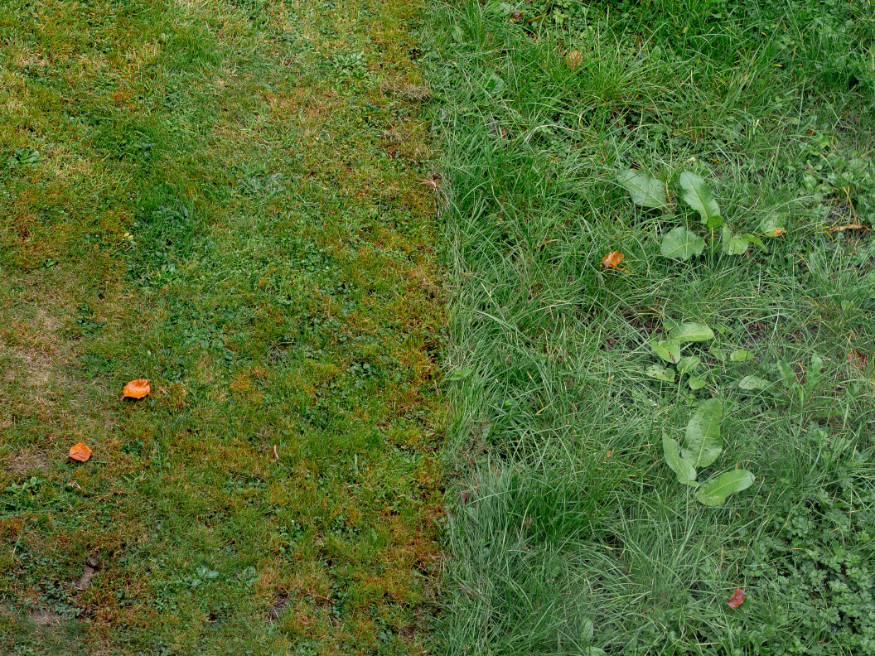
column 567, row 531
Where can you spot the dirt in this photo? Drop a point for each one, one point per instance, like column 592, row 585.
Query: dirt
column 26, row 462
column 45, row 617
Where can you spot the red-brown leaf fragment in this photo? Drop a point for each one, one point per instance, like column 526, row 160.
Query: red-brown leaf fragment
column 857, row 359
column 737, row 598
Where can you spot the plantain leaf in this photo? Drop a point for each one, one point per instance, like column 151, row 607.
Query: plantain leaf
column 702, row 443
column 740, row 355
column 718, row 353
column 685, row 472
column 716, row 490
column 696, row 383
column 644, row 189
column 667, row 349
column 692, row 332
column 786, row 371
column 771, row 226
column 698, row 195
column 733, row 244
column 681, row 244
column 660, row 373
column 753, row 383
column 688, row 363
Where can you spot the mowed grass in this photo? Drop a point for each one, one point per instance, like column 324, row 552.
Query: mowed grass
column 222, row 196
column 568, row 534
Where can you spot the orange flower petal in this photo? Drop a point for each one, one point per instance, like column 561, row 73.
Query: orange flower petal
column 612, row 260
column 573, row 59
column 136, row 389
column 80, row 452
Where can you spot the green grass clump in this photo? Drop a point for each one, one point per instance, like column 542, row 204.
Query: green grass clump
column 567, row 532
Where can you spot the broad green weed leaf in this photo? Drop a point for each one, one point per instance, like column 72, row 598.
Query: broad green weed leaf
column 587, row 630
column 688, row 363
column 741, row 355
column 644, row 189
column 495, row 86
column 660, row 373
column 696, row 383
column 771, row 226
column 698, row 195
column 753, row 383
column 786, row 372
column 681, row 244
column 692, row 332
column 702, row 443
column 753, row 239
column 715, row 491
column 667, row 349
column 686, row 473
column 732, row 244
column 718, row 353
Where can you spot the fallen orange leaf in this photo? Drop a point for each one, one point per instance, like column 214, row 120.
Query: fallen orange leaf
column 612, row 260
column 136, row 389
column 857, row 359
column 737, row 598
column 80, row 452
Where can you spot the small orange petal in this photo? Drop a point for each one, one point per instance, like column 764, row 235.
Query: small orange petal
column 612, row 260
column 80, row 452
column 136, row 389
column 573, row 59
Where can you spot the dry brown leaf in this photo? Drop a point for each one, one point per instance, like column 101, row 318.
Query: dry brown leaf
column 80, row 452
column 612, row 260
column 857, row 359
column 737, row 598
column 850, row 226
column 136, row 389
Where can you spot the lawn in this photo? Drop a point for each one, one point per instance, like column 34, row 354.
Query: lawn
column 224, row 197
column 745, row 302
column 541, row 327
